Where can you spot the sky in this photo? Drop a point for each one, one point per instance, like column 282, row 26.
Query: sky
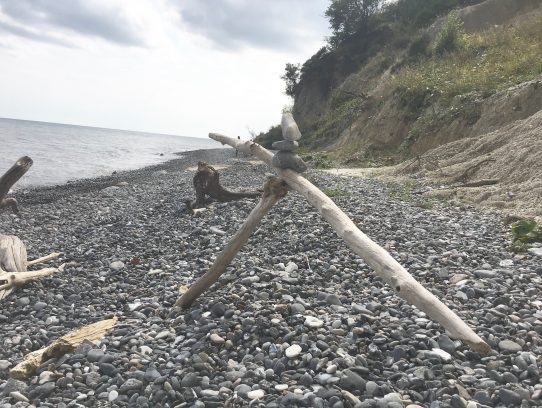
column 185, row 67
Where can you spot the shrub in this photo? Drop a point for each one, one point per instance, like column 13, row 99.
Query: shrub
column 450, row 36
column 525, row 232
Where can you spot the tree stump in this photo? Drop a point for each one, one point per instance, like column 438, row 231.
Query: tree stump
column 11, row 176
column 207, row 183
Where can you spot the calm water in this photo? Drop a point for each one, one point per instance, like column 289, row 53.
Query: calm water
column 66, row 152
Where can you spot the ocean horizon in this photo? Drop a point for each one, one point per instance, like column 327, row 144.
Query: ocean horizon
column 63, row 153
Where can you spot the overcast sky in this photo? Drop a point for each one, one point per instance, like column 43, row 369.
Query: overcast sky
column 185, row 67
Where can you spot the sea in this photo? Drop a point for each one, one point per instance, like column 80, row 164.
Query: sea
column 62, row 153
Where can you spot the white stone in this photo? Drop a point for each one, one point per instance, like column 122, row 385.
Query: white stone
column 313, row 322
column 117, row 265
column 281, row 387
column 293, row 351
column 47, row 376
column 291, row 267
column 113, row 395
column 443, row 355
column 18, row 396
column 216, row 339
column 145, row 350
column 535, row 251
column 256, row 394
column 290, row 131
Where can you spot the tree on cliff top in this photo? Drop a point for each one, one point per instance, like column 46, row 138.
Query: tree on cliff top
column 347, row 17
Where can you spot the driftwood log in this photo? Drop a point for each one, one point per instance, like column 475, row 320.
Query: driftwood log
column 207, row 183
column 11, row 176
column 374, row 255
column 274, row 190
column 14, row 265
column 61, row 346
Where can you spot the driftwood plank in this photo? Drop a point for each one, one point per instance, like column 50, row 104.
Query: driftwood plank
column 375, row 256
column 61, row 346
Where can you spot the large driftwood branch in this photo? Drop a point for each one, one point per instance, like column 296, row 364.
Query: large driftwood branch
column 61, row 346
column 274, row 190
column 207, row 183
column 9, row 179
column 13, row 265
column 374, row 255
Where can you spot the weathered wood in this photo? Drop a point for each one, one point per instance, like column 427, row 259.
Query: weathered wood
column 207, row 183
column 61, row 346
column 274, row 190
column 375, row 256
column 11, row 176
column 14, row 265
column 480, row 183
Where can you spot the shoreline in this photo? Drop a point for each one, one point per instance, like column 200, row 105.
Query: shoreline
column 44, row 194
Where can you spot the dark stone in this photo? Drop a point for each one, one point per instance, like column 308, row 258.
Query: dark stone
column 289, row 160
column 352, row 381
column 285, row 145
column 218, row 309
column 509, row 397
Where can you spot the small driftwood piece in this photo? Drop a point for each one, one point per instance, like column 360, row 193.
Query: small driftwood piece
column 274, row 190
column 480, row 183
column 11, row 176
column 13, row 265
column 374, row 255
column 207, row 183
column 61, row 346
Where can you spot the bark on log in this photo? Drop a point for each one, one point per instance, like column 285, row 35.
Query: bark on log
column 13, row 175
column 61, row 346
column 375, row 256
column 14, row 265
column 207, row 183
column 274, row 190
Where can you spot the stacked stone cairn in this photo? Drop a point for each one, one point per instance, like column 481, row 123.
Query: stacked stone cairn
column 285, row 158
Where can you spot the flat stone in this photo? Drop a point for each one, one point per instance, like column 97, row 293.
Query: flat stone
column 289, row 160
column 535, row 251
column 256, row 394
column 293, row 351
column 286, row 145
column 18, row 396
column 509, row 346
column 483, row 273
column 313, row 322
column 5, row 364
column 458, row 277
column 352, row 381
column 117, row 265
column 130, row 384
column 509, row 397
column 216, row 339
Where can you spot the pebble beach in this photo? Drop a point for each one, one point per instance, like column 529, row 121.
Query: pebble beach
column 297, row 320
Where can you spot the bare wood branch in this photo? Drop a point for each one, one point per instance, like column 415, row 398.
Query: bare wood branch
column 11, row 176
column 274, row 190
column 44, row 259
column 61, row 346
column 479, row 183
column 13, row 279
column 375, row 256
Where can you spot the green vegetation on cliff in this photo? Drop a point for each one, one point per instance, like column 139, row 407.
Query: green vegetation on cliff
column 483, row 62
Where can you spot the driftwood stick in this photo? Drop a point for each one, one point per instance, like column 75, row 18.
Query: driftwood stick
column 274, row 190
column 44, row 259
column 61, row 346
column 375, row 256
column 11, row 176
column 14, row 279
